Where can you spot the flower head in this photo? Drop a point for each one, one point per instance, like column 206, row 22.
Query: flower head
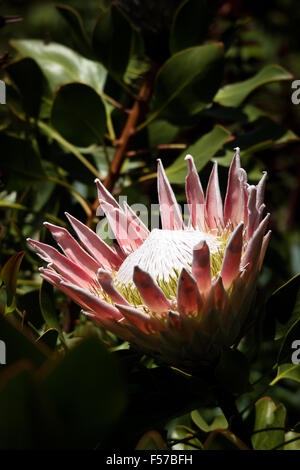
column 182, row 292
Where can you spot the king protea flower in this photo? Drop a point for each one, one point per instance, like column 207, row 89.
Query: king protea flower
column 180, row 293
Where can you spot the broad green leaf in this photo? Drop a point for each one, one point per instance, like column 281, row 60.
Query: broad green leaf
column 268, row 415
column 111, row 40
column 219, row 421
column 9, row 273
column 190, row 25
column 79, row 115
column 235, row 94
column 87, row 393
column 187, row 82
column 161, row 132
column 287, row 371
column 61, row 64
column 20, row 163
column 292, row 436
column 222, row 439
column 202, row 151
column 151, row 440
column 27, row 75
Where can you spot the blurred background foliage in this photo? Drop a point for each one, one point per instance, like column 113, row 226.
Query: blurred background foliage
column 102, row 89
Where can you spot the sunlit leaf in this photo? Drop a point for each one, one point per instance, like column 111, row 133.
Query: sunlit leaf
column 268, row 415
column 235, row 94
column 62, row 65
column 287, row 371
column 202, row 151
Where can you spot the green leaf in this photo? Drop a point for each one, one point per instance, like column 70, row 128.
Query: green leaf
column 290, row 436
column 235, row 94
column 62, row 65
column 87, row 393
column 21, row 165
column 27, row 75
column 187, row 82
column 180, row 432
column 9, row 273
column 78, row 114
column 202, row 151
column 268, row 415
column 287, row 371
column 190, row 25
column 47, row 305
column 222, row 439
column 74, row 19
column 112, row 38
column 219, row 421
column 49, row 338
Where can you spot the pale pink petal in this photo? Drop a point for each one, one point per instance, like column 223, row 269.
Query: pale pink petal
column 93, row 243
column 141, row 320
column 141, row 227
column 151, row 293
column 56, row 280
column 119, row 251
column 234, row 204
column 104, row 195
column 124, row 230
column 232, row 257
column 214, row 205
column 66, row 267
column 91, row 302
column 106, row 282
column 51, row 276
column 201, row 266
column 171, row 217
column 188, row 297
column 252, row 253
column 72, row 249
column 195, row 195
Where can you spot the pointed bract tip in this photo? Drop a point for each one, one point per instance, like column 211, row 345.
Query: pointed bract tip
column 237, row 149
column 188, row 157
column 202, row 244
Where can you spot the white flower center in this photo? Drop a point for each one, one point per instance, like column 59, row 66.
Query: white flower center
column 164, row 253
